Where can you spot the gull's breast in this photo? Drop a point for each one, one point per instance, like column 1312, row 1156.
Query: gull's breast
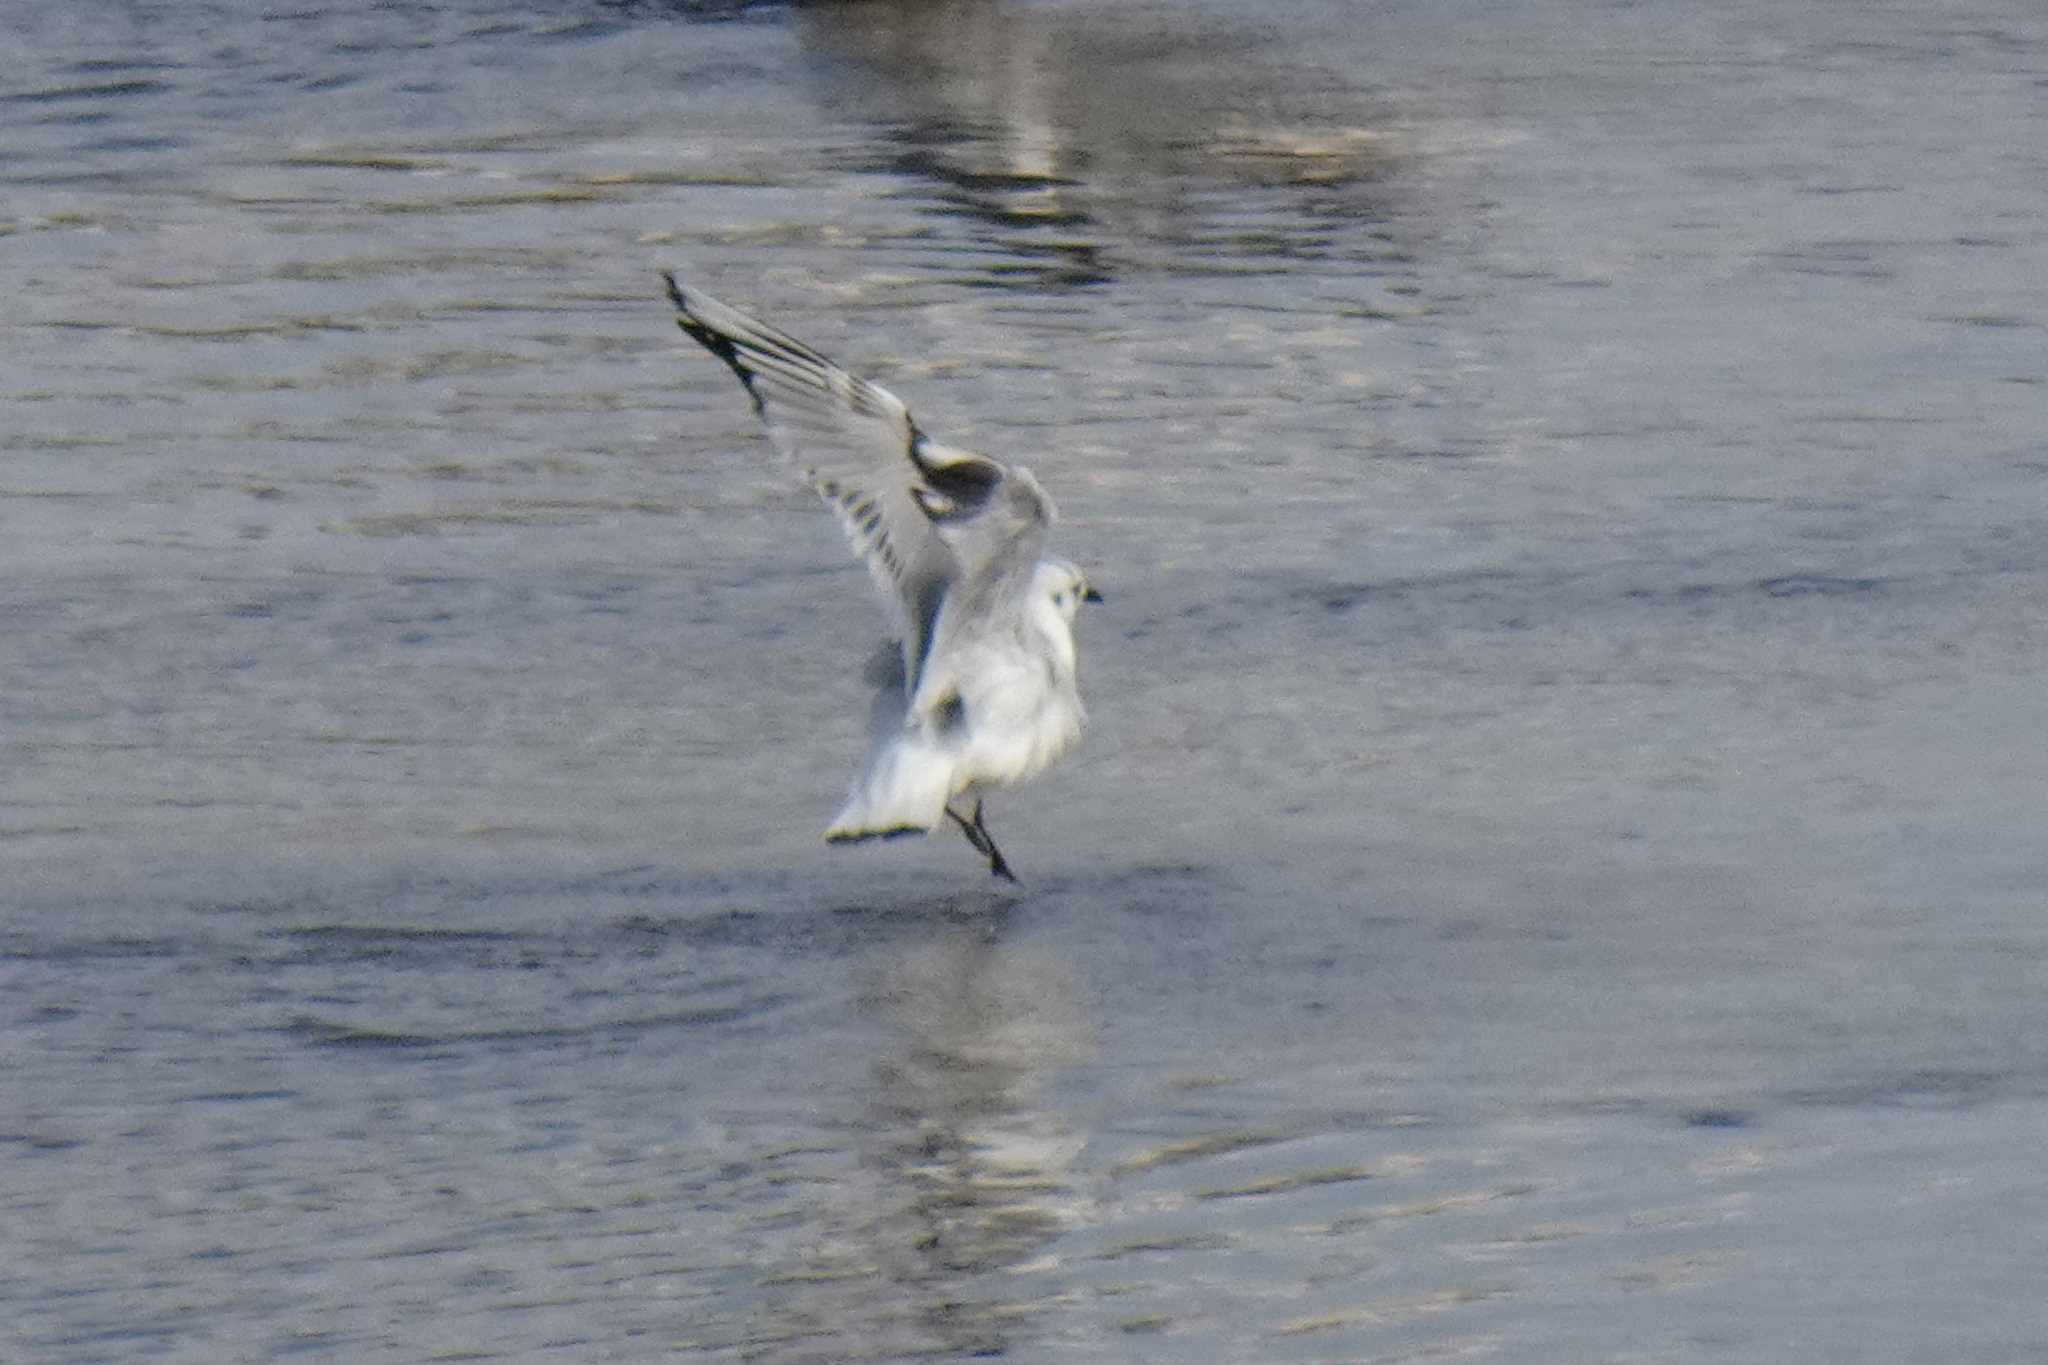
column 1002, row 755
column 1019, row 719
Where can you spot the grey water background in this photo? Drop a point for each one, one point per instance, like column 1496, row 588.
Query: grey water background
column 1556, row 871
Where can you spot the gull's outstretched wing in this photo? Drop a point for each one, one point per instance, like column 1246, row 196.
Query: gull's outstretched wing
column 922, row 516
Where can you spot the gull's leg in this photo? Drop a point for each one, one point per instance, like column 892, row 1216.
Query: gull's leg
column 973, row 834
column 978, row 835
column 996, row 866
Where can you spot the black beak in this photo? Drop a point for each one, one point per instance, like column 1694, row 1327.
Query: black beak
column 1092, row 596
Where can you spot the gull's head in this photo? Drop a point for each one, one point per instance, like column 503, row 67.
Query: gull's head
column 1064, row 586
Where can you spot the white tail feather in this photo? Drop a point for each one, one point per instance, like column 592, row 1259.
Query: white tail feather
column 904, row 789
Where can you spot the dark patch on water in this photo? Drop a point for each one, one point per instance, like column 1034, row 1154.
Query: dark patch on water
column 1820, row 585
column 746, row 1011
column 118, row 947
column 101, row 91
column 1921, row 1088
column 404, row 933
column 41, row 1142
column 238, row 1096
column 321, row 1033
column 325, row 1033
column 835, row 930
column 413, row 947
column 1464, row 586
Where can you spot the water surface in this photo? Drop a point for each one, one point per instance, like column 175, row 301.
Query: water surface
column 1554, row 871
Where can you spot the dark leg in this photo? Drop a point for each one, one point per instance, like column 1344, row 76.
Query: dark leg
column 984, row 844
column 973, row 834
column 996, row 866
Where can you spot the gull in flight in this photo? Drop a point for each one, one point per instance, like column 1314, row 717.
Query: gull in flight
column 981, row 692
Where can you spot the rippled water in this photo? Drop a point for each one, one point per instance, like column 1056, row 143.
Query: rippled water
column 1555, row 870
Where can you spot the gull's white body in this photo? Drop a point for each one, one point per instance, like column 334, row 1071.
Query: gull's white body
column 1018, row 686
column 981, row 690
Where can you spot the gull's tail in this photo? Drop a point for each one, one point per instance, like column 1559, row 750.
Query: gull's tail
column 903, row 790
column 908, row 778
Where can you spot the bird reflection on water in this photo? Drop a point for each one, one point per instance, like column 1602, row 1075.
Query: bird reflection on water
column 950, row 1166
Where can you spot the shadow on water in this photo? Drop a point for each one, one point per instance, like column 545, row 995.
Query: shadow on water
column 1080, row 143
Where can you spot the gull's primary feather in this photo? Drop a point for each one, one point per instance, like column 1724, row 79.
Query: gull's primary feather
column 858, row 447
column 986, row 693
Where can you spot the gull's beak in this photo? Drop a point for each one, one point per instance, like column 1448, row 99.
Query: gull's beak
column 1091, row 596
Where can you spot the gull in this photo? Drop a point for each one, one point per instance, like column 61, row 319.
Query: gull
column 978, row 689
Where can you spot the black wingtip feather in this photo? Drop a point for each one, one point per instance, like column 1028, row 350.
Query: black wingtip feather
column 717, row 343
